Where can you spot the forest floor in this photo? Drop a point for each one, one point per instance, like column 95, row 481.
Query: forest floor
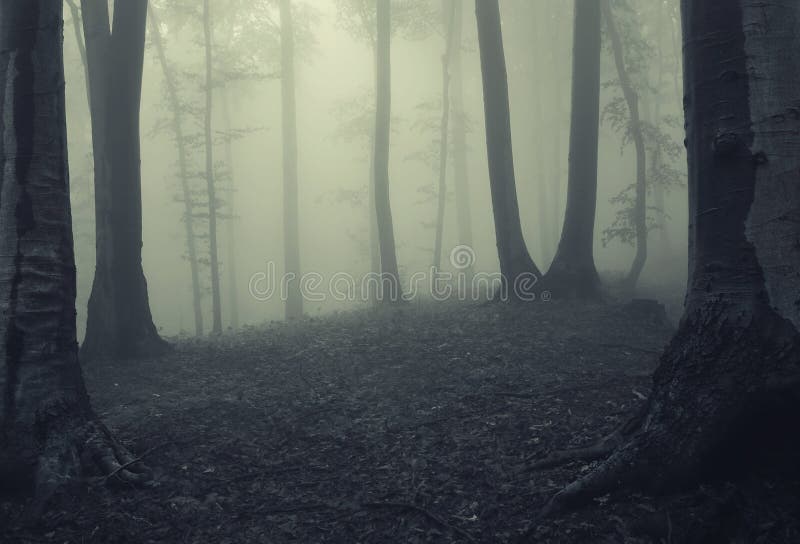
column 415, row 424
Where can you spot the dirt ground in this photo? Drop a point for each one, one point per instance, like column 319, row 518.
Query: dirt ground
column 416, row 424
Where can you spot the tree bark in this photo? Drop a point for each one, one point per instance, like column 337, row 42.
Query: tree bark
column 46, row 422
column 516, row 266
column 183, row 172
column 734, row 363
column 119, row 321
column 291, row 224
column 216, row 306
column 632, row 99
column 390, row 289
column 572, row 273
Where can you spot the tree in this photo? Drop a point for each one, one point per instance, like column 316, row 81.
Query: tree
column 177, row 124
column 733, row 366
column 516, row 264
column 390, row 275
column 291, row 227
column 572, row 273
column 48, row 427
column 119, row 321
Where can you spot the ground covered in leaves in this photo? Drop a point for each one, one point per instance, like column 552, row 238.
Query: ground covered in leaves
column 415, row 424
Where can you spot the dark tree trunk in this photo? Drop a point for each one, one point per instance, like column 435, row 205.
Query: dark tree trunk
column 183, row 173
column 444, row 132
column 735, row 361
column 46, row 422
column 459, row 123
column 390, row 290
column 572, row 273
column 119, row 321
column 233, row 284
column 516, row 266
column 291, row 224
column 632, row 99
column 216, row 306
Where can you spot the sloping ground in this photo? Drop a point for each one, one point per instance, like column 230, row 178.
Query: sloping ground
column 417, row 424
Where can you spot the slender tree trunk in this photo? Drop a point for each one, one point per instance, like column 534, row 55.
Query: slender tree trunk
column 572, row 273
column 47, row 427
column 216, row 307
column 119, row 321
column 233, row 284
column 390, row 290
column 558, row 112
column 656, row 164
column 459, row 124
column 444, row 133
column 734, row 363
column 516, row 266
column 632, row 99
column 291, row 225
column 183, row 173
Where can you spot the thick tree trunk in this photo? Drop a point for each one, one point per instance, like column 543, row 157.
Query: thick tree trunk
column 183, row 172
column 516, row 266
column 291, row 224
column 390, row 289
column 211, row 190
column 444, row 132
column 459, row 124
column 46, row 423
column 735, row 361
column 632, row 99
column 119, row 321
column 230, row 229
column 572, row 273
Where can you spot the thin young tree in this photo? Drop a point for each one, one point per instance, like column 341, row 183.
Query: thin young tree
column 572, row 273
column 230, row 228
column 119, row 322
column 516, row 266
column 734, row 362
column 49, row 432
column 291, row 221
column 390, row 276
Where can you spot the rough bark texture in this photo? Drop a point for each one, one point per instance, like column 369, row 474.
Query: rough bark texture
column 390, row 275
column 291, row 223
column 632, row 99
column 183, row 172
column 211, row 190
column 119, row 322
column 516, row 265
column 572, row 273
column 46, row 423
column 733, row 367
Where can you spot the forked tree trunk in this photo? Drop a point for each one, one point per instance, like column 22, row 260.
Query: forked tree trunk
column 211, row 190
column 516, row 266
column 572, row 273
column 183, row 172
column 390, row 290
column 291, row 225
column 735, row 361
column 632, row 99
column 119, row 321
column 46, row 422
column 233, row 284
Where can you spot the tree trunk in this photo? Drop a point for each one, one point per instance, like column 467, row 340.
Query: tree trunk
column 390, row 290
column 233, row 284
column 572, row 273
column 216, row 309
column 734, row 363
column 291, row 225
column 183, row 173
column 119, row 321
column 632, row 99
column 459, row 123
column 444, row 132
column 518, row 270
column 46, row 422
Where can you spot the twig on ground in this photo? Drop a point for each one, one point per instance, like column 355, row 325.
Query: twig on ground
column 427, row 513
